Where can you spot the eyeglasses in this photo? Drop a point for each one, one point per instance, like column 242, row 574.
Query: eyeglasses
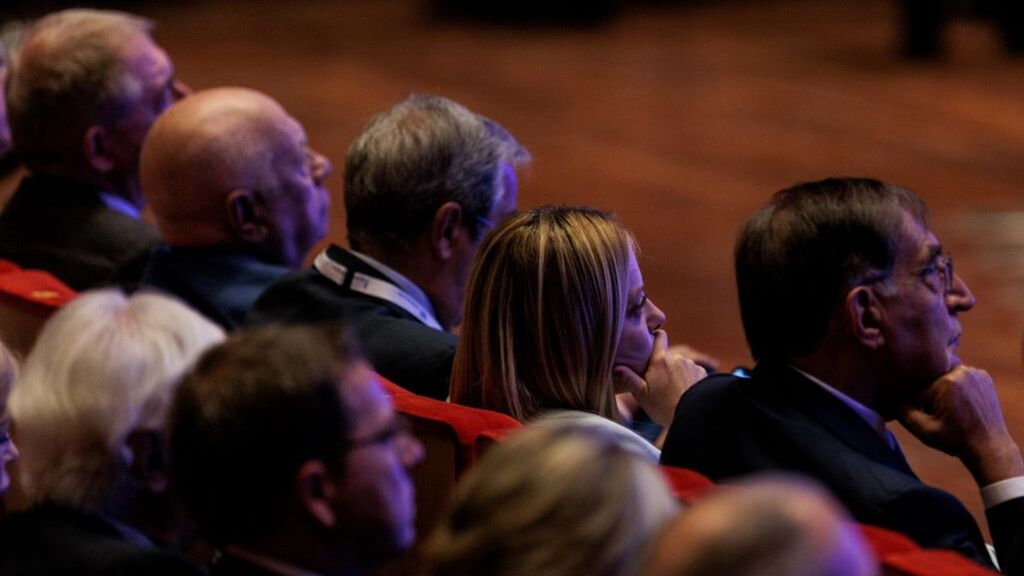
column 942, row 266
column 399, row 428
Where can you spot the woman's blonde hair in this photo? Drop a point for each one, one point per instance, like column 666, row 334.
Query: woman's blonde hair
column 104, row 366
column 544, row 311
column 552, row 500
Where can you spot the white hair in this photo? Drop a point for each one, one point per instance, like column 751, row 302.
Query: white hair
column 104, row 366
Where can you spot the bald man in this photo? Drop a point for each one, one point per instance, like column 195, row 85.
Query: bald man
column 238, row 197
column 762, row 527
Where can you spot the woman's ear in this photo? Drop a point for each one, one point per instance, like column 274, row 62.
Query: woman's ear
column 866, row 316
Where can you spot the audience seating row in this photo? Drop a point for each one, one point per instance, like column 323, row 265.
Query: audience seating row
column 453, row 436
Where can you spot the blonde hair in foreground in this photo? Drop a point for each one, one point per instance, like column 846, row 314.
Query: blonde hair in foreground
column 544, row 311
column 550, row 501
column 104, row 366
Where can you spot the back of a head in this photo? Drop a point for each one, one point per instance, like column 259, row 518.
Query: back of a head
column 413, row 158
column 201, row 149
column 763, row 527
column 550, row 501
column 103, row 367
column 544, row 309
column 66, row 74
column 252, row 411
column 796, row 258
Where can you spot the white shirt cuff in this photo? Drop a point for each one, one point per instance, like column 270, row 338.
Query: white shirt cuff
column 1002, row 491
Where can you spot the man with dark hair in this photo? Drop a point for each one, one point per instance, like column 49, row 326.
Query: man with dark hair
column 286, row 449
column 238, row 196
column 424, row 182
column 83, row 88
column 850, row 306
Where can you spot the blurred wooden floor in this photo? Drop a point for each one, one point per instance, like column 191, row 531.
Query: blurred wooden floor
column 682, row 120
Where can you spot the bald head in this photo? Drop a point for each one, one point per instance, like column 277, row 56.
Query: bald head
column 229, row 167
column 760, row 528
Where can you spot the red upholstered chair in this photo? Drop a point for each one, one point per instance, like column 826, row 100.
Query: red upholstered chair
column 453, row 437
column 931, row 563
column 27, row 299
column 686, row 485
column 884, row 541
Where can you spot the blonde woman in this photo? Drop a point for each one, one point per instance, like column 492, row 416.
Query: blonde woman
column 557, row 321
column 550, row 501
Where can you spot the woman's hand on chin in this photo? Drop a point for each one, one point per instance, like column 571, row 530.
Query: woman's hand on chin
column 668, row 375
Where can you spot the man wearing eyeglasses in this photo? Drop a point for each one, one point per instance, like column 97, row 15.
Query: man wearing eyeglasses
column 287, row 452
column 850, row 307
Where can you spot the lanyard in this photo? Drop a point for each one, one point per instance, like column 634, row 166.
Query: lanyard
column 370, row 286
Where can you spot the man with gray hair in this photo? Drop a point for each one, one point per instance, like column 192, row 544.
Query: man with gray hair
column 424, row 182
column 83, row 88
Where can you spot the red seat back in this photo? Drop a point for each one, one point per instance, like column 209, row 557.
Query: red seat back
column 453, row 438
column 27, row 299
column 931, row 562
column 686, row 485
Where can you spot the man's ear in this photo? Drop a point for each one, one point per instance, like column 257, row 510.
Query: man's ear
column 97, row 150
column 865, row 316
column 316, row 489
column 247, row 216
column 445, row 230
column 147, row 465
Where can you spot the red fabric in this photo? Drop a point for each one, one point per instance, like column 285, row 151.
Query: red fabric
column 474, row 428
column 686, row 485
column 8, row 266
column 931, row 563
column 884, row 542
column 35, row 289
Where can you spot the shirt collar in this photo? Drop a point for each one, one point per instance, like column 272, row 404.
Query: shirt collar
column 406, row 285
column 874, row 419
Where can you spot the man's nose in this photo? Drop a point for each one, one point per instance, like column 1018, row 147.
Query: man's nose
column 320, row 166
column 959, row 298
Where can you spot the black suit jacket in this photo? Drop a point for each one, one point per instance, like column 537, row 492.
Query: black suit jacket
column 53, row 540
column 400, row 347
column 222, row 284
column 727, row 426
column 63, row 227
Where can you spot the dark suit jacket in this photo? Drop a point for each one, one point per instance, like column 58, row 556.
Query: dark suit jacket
column 399, row 346
column 728, row 426
column 221, row 284
column 63, row 227
column 53, row 540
